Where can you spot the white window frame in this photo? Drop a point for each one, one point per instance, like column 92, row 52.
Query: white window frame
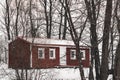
column 83, row 54
column 71, row 54
column 43, row 53
column 54, row 53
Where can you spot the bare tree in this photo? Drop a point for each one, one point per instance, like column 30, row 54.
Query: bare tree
column 76, row 37
column 17, row 16
column 105, row 45
column 48, row 16
column 93, row 8
column 65, row 22
column 33, row 33
column 61, row 19
column 7, row 18
column 116, row 75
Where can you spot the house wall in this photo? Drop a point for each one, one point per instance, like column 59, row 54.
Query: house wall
column 75, row 62
column 46, row 62
column 19, row 54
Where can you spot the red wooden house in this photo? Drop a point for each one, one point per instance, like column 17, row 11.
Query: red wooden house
column 45, row 53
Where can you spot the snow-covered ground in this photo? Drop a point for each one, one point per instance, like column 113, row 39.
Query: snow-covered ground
column 70, row 74
column 54, row 73
column 46, row 74
column 5, row 73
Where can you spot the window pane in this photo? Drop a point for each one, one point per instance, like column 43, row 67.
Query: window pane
column 41, row 53
column 52, row 53
column 73, row 54
column 83, row 54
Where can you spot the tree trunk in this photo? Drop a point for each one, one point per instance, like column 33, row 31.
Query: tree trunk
column 17, row 17
column 46, row 18
column 91, row 10
column 75, row 37
column 80, row 61
column 105, row 51
column 65, row 23
column 116, row 75
column 117, row 63
column 33, row 33
column 7, row 20
column 50, row 21
column 26, row 71
column 61, row 19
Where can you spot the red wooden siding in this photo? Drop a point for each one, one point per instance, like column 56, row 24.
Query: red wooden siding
column 46, row 62
column 75, row 62
column 19, row 54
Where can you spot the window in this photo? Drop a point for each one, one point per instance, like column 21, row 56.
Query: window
column 73, row 54
column 83, row 54
column 51, row 53
column 41, row 54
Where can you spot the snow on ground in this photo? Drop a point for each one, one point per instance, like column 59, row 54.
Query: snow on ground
column 70, row 74
column 5, row 73
column 62, row 74
column 47, row 74
column 54, row 73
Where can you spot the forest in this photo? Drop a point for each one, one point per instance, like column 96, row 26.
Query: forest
column 94, row 23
